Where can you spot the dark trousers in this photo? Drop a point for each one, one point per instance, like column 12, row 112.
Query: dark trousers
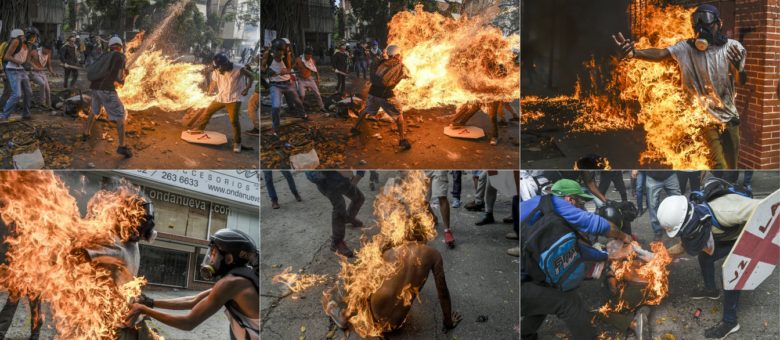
column 268, row 176
column 516, row 214
column 335, row 191
column 7, row 316
column 537, row 301
column 70, row 73
column 616, row 177
column 686, row 177
column 707, row 265
column 456, row 183
column 342, row 83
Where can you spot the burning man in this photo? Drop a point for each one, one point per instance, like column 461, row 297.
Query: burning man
column 468, row 110
column 335, row 185
column 232, row 258
column 279, row 64
column 708, row 227
column 388, row 74
column 104, row 95
column 388, row 310
column 708, row 64
column 17, row 54
column 552, row 225
column 227, row 77
column 12, row 303
column 309, row 76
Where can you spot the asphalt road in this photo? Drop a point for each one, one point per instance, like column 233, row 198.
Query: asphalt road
column 757, row 309
column 482, row 279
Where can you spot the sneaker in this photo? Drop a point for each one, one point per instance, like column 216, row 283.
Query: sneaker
column 642, row 326
column 493, row 141
column 297, row 197
column 275, row 205
column 712, row 294
column 514, row 251
column 341, row 249
column 236, row 147
column 511, row 235
column 488, row 219
column 721, row 330
column 449, row 239
column 253, row 132
column 404, row 145
column 455, row 202
column 474, row 206
column 123, row 150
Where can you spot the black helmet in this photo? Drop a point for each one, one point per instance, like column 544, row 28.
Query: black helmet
column 612, row 214
column 278, row 44
column 220, row 59
column 32, row 30
column 146, row 230
column 227, row 241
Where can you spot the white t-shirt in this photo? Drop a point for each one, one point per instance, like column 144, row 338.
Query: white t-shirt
column 278, row 67
column 709, row 75
column 229, row 84
column 22, row 54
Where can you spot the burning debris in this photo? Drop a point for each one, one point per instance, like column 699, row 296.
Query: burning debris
column 298, row 282
column 648, row 268
column 46, row 254
column 452, row 62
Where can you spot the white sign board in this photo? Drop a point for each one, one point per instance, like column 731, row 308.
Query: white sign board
column 234, row 185
column 757, row 251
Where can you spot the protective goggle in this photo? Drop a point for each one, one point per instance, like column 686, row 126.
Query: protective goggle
column 703, row 18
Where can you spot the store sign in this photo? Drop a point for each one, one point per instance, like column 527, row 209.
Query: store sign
column 164, row 196
column 234, row 185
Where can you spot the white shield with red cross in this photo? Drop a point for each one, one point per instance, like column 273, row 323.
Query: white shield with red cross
column 757, row 251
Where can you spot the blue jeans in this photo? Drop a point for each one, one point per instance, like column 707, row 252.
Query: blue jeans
column 640, row 190
column 361, row 66
column 293, row 100
column 671, row 186
column 456, row 183
column 268, row 176
column 707, row 265
column 20, row 89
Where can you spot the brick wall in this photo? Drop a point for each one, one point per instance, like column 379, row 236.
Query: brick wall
column 757, row 101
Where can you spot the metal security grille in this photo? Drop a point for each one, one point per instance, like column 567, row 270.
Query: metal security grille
column 164, row 266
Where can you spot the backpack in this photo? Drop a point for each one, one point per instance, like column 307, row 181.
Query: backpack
column 100, row 68
column 551, row 249
column 4, row 46
column 714, row 188
column 388, row 76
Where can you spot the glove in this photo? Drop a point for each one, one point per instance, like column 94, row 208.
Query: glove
column 145, row 300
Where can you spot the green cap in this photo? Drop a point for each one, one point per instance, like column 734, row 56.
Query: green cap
column 567, row 187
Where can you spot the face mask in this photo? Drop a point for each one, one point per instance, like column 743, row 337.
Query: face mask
column 212, row 266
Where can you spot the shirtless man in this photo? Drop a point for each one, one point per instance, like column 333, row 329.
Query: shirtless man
column 416, row 260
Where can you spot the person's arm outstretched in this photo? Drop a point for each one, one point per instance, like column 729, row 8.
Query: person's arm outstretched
column 649, row 54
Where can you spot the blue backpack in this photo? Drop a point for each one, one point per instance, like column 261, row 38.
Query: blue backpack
column 713, row 188
column 551, row 248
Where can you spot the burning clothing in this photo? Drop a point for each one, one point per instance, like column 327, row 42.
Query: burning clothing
column 709, row 76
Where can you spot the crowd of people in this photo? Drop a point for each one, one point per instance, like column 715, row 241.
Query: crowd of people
column 554, row 216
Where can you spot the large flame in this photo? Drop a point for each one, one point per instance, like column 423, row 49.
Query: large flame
column 654, row 273
column 452, row 62
column 402, row 215
column 45, row 251
column 298, row 282
column 156, row 81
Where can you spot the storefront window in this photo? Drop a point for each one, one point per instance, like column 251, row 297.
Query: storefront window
column 164, row 266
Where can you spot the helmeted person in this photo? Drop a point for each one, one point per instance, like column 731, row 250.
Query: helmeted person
column 232, row 260
column 709, row 64
column 279, row 66
column 388, row 74
column 226, row 77
column 708, row 228
column 16, row 55
column 553, row 251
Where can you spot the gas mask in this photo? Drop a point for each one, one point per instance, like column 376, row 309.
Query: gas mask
column 213, row 264
column 705, row 36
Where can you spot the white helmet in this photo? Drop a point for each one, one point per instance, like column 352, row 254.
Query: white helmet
column 286, row 41
column 393, row 50
column 16, row 33
column 114, row 41
column 672, row 214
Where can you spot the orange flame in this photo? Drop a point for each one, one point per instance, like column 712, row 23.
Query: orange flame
column 46, row 247
column 298, row 282
column 156, row 81
column 452, row 62
column 402, row 215
column 654, row 273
